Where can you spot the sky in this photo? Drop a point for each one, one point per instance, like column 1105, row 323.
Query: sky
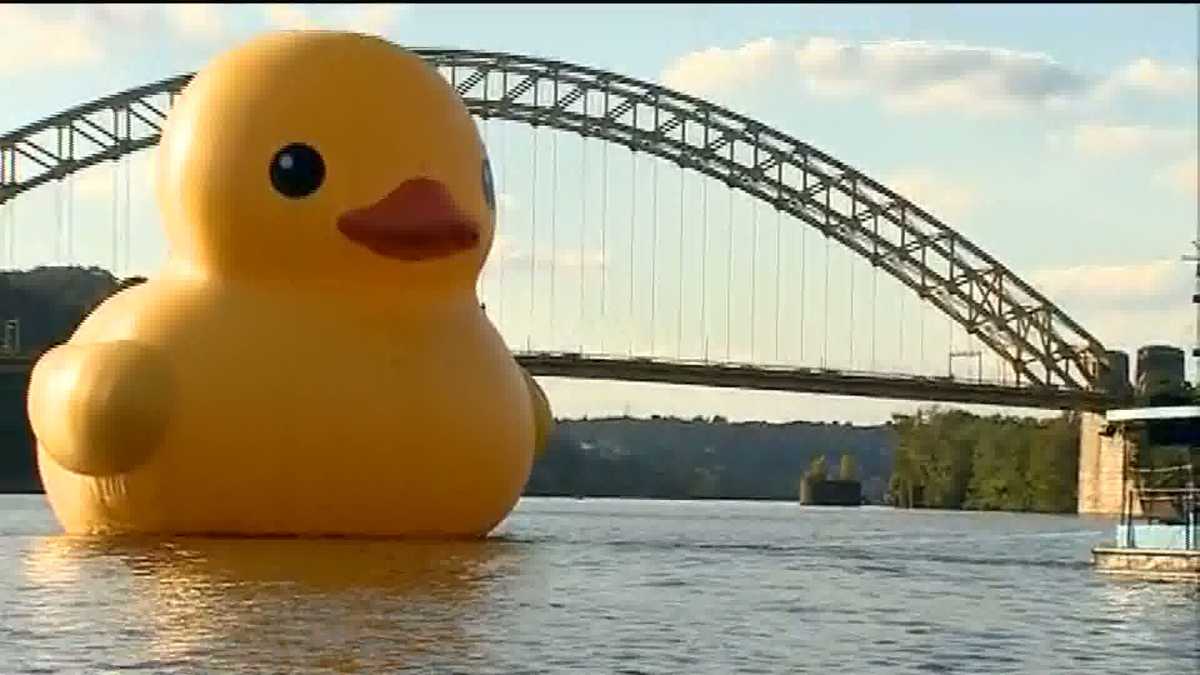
column 1060, row 138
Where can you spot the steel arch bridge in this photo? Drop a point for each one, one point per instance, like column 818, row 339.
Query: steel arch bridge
column 1048, row 351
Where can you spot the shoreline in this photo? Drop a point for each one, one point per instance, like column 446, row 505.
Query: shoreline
column 765, row 500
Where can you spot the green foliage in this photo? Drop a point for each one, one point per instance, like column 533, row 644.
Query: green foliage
column 848, row 469
column 50, row 302
column 670, row 458
column 818, row 470
column 951, row 459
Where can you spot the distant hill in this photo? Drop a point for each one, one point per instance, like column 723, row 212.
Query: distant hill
column 703, row 458
column 49, row 302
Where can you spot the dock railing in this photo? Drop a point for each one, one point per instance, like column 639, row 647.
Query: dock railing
column 1170, row 507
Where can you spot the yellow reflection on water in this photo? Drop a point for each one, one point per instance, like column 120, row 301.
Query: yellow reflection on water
column 285, row 603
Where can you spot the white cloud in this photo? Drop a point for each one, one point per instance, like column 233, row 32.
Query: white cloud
column 197, row 21
column 1183, row 176
column 287, row 17
column 511, row 253
column 1174, row 149
column 374, row 19
column 1150, row 76
column 1113, row 140
column 46, row 37
column 1126, row 306
column 1131, row 328
column 713, row 70
column 916, row 76
column 130, row 15
column 37, row 39
column 909, row 76
column 945, row 199
column 1155, row 283
column 194, row 22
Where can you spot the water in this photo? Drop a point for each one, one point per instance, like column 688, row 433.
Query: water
column 600, row 586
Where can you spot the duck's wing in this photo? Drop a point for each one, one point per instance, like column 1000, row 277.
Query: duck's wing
column 100, row 408
column 543, row 418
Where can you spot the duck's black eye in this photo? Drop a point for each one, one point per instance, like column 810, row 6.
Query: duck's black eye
column 489, row 190
column 297, row 170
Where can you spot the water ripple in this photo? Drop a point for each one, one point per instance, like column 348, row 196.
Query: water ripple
column 598, row 586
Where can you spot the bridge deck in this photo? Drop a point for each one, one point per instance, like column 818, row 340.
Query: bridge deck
column 813, row 380
column 809, row 380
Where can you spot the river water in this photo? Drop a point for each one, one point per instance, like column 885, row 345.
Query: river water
column 600, row 586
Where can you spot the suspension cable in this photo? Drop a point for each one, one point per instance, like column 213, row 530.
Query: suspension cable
column 116, row 178
column 778, row 275
column 553, row 232
column 852, row 331
column 11, row 210
column 825, row 344
column 632, row 230
column 950, row 348
column 753, row 274
column 504, row 174
column 922, row 335
column 803, row 285
column 533, row 242
column 874, row 310
column 679, row 309
column 6, row 236
column 653, row 252
column 58, row 222
column 583, row 213
column 125, row 222
column 729, row 285
column 603, row 239
column 70, row 219
column 704, row 266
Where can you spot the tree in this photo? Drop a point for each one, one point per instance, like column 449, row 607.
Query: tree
column 818, row 469
column 848, row 470
column 952, row 459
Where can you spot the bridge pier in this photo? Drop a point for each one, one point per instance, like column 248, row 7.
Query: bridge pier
column 1101, row 467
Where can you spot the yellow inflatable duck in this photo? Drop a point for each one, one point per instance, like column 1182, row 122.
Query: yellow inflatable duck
column 312, row 359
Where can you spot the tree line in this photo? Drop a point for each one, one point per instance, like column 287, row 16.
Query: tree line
column 951, row 459
column 705, row 458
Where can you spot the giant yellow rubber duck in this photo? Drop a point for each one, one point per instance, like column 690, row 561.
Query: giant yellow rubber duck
column 312, row 359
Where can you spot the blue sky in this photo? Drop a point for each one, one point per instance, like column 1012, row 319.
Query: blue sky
column 1061, row 138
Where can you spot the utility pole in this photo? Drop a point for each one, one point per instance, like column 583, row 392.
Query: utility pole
column 975, row 353
column 11, row 344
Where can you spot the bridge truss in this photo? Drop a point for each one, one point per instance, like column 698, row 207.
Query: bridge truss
column 1045, row 348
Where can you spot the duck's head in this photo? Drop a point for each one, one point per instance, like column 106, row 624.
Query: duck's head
column 325, row 157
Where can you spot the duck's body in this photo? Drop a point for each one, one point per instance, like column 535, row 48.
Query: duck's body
column 305, row 413
column 313, row 359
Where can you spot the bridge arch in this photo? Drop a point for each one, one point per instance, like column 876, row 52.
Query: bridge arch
column 1043, row 345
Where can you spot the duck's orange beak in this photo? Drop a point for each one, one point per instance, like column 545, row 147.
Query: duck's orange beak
column 416, row 221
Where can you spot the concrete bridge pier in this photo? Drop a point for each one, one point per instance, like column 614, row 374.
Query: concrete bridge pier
column 1101, row 466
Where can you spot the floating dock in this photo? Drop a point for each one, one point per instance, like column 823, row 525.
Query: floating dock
column 1158, row 536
